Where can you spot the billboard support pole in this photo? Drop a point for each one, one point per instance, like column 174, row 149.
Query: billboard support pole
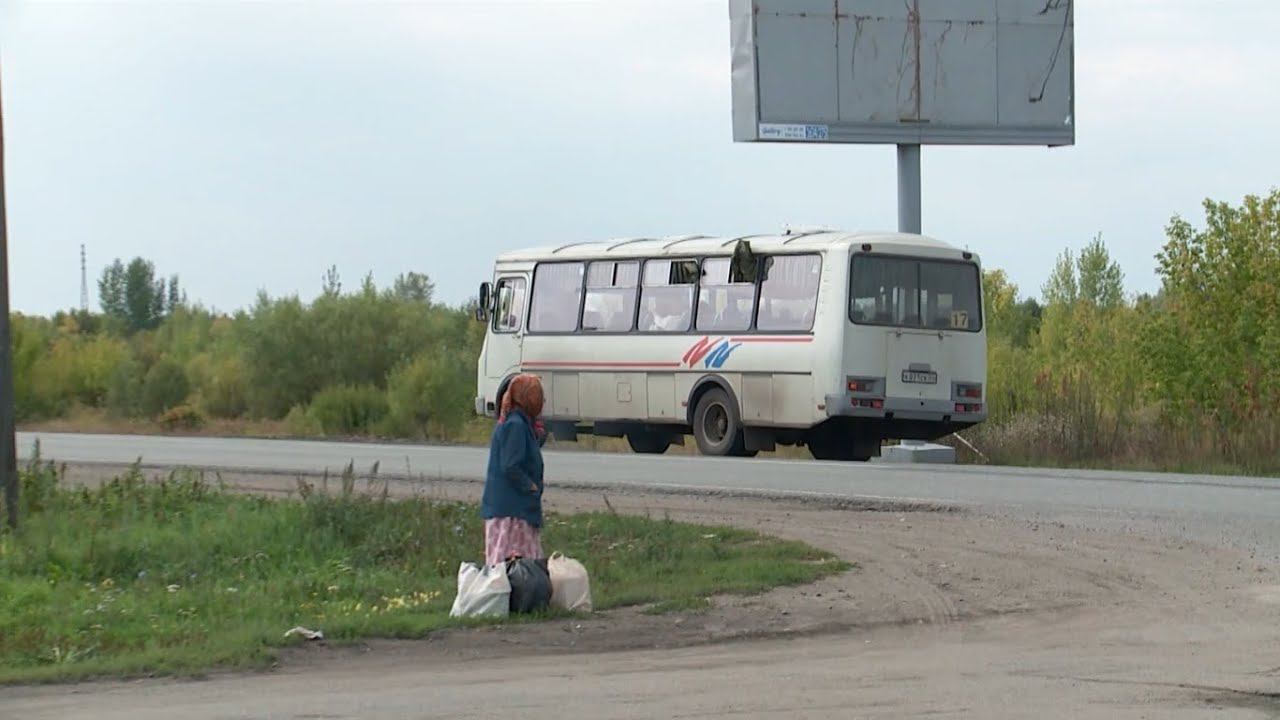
column 909, row 189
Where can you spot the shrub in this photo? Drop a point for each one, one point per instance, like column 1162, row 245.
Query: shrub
column 76, row 370
column 165, row 387
column 182, row 417
column 348, row 410
column 124, row 389
column 31, row 337
column 222, row 388
column 430, row 396
column 300, row 423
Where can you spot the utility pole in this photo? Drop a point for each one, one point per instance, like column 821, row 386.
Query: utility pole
column 84, row 283
column 8, row 444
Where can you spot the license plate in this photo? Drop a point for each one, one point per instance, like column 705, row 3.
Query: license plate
column 920, row 377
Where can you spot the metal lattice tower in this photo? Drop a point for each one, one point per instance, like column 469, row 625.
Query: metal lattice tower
column 84, row 283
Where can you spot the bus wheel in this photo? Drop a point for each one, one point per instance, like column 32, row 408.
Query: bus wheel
column 717, row 426
column 838, row 446
column 646, row 442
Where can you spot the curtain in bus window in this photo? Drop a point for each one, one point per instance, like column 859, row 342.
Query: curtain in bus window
column 885, row 291
column 789, row 293
column 666, row 295
column 557, row 291
column 949, row 296
column 724, row 305
column 610, row 304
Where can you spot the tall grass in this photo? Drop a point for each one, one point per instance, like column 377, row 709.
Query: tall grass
column 177, row 574
column 1070, row 424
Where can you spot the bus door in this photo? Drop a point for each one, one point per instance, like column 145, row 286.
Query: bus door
column 506, row 327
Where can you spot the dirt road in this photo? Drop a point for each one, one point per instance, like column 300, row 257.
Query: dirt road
column 949, row 613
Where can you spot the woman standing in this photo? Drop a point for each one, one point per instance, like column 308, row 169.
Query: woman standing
column 512, row 502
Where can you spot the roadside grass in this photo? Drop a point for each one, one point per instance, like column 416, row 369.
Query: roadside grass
column 177, row 575
column 1081, row 436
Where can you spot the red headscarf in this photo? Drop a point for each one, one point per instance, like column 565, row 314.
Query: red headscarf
column 525, row 394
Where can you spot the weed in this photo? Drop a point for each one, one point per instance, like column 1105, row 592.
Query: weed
column 173, row 574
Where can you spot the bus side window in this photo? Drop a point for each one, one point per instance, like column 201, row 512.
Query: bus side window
column 610, row 304
column 725, row 303
column 557, row 297
column 666, row 295
column 789, row 293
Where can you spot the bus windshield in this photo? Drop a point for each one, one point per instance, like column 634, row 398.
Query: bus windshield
column 909, row 292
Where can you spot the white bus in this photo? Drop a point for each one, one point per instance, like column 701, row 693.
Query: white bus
column 832, row 340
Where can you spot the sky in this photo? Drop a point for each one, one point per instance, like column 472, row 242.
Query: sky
column 248, row 146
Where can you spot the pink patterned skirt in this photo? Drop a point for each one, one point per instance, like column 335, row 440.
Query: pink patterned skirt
column 507, row 536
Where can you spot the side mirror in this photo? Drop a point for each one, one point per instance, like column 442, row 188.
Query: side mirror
column 482, row 306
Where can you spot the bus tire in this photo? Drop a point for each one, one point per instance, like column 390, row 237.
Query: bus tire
column 830, row 444
column 647, row 442
column 497, row 399
column 717, row 426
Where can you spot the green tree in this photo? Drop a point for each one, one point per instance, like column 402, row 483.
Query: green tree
column 1216, row 345
column 133, row 295
column 331, row 284
column 111, row 290
column 1101, row 280
column 175, row 298
column 414, row 287
column 1061, row 288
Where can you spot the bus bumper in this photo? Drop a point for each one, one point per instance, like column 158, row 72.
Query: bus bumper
column 941, row 411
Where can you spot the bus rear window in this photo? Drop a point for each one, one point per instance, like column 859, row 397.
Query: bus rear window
column 905, row 292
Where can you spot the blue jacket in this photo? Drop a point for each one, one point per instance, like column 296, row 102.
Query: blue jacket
column 513, row 483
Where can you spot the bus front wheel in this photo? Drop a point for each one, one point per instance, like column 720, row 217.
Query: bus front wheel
column 717, row 426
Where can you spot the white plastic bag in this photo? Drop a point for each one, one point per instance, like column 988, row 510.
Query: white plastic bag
column 570, row 587
column 482, row 592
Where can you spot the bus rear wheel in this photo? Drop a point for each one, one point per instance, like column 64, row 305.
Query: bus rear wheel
column 647, row 442
column 827, row 444
column 717, row 426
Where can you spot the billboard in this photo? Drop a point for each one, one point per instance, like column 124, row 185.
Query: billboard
column 946, row 72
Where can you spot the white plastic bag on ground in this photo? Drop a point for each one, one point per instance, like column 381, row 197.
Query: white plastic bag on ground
column 482, row 592
column 570, row 587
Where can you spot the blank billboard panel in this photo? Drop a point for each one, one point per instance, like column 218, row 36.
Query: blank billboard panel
column 978, row 72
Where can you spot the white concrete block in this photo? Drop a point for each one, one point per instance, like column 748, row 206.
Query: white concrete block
column 914, row 451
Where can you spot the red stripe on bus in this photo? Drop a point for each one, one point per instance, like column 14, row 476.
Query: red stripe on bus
column 788, row 339
column 595, row 364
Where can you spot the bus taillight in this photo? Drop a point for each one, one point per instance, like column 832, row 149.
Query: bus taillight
column 869, row 386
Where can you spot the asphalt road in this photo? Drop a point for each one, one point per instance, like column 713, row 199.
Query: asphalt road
column 1237, row 511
